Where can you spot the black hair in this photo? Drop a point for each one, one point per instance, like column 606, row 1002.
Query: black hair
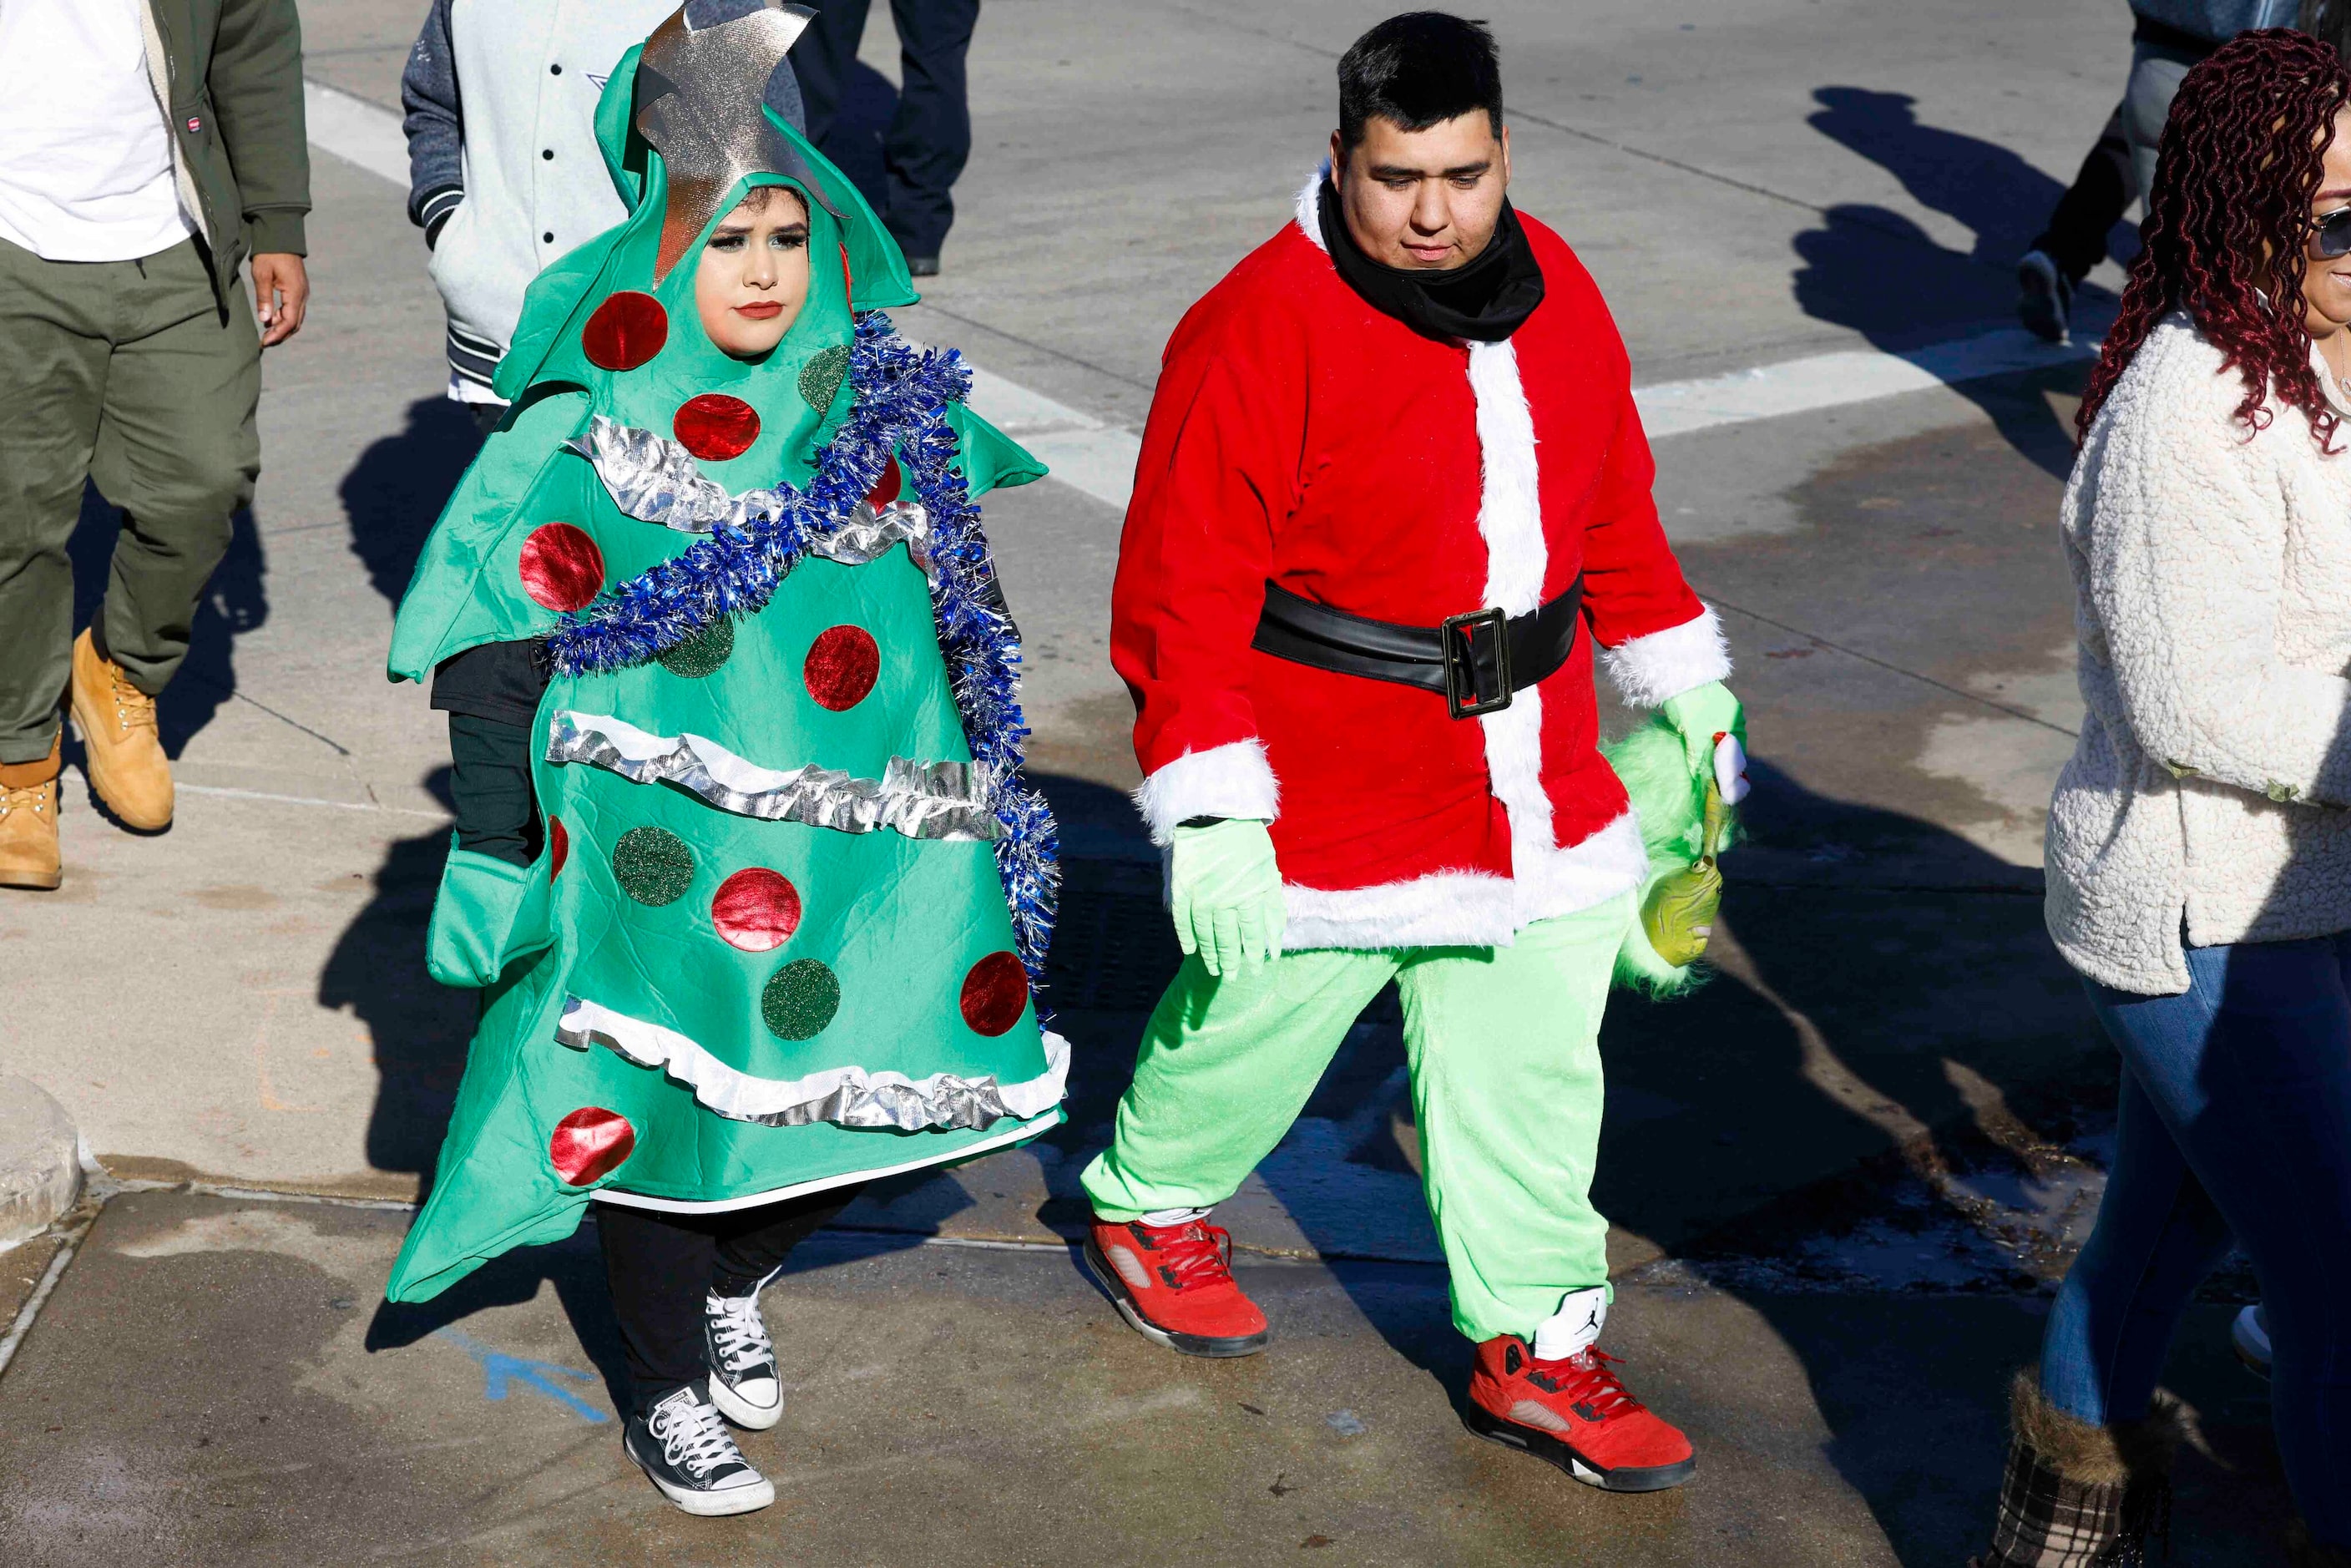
column 1419, row 70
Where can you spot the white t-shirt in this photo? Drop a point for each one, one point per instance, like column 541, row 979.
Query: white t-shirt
column 85, row 165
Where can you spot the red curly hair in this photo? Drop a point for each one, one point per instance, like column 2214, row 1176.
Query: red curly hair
column 2241, row 160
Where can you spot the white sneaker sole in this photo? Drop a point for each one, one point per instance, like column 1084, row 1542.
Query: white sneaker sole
column 741, row 1411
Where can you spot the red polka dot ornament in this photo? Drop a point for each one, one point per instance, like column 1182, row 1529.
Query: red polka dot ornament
column 589, row 1145
column 842, row 665
column 561, row 568
column 716, row 427
column 756, row 910
column 627, row 330
column 995, row 993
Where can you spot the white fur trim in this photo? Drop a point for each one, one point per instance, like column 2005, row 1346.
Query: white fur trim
column 1555, row 882
column 1469, row 909
column 1509, row 519
column 1647, row 670
column 1309, row 205
column 1448, row 909
column 1233, row 780
column 1509, row 506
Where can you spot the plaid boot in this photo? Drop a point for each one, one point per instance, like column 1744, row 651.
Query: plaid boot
column 2079, row 1496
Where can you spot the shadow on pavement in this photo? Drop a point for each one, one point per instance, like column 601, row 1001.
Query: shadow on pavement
column 394, row 493
column 1877, row 272
column 574, row 1267
column 236, row 601
column 420, row 1028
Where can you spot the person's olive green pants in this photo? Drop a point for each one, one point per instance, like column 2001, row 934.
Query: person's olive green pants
column 131, row 374
column 1504, row 1044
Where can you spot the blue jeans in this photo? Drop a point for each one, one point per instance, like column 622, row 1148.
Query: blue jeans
column 2235, row 1117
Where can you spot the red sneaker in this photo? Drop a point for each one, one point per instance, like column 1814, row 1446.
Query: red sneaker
column 1175, row 1284
column 1575, row 1414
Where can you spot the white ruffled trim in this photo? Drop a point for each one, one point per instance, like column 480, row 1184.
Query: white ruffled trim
column 614, row 1195
column 1647, row 670
column 844, row 1096
column 940, row 801
column 1469, row 909
column 1230, row 780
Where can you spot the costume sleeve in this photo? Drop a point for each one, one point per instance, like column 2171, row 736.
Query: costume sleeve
column 2186, row 545
column 1217, row 474
column 256, row 79
column 1657, row 640
column 435, row 125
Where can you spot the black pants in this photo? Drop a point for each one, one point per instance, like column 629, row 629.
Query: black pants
column 2092, row 206
column 929, row 137
column 660, row 1266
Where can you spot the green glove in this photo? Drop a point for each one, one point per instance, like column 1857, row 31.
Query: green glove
column 1703, row 716
column 488, row 915
column 1227, row 893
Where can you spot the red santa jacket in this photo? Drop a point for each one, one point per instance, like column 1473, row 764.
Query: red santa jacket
column 1299, row 435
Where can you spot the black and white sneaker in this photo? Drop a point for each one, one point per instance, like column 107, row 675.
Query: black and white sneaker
column 682, row 1446
column 742, row 1360
column 2044, row 299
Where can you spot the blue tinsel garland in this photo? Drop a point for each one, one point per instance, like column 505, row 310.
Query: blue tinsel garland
column 900, row 397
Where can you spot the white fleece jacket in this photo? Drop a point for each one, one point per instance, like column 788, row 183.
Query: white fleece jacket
column 2212, row 600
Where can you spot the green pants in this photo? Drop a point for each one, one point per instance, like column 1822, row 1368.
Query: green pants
column 123, row 373
column 1506, row 1086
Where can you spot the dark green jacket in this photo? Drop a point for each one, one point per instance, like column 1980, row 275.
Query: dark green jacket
column 229, row 74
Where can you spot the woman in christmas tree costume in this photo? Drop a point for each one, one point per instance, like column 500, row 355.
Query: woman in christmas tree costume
column 743, row 864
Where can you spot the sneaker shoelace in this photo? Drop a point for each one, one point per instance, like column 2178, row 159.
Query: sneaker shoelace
column 1584, row 1380
column 1195, row 1255
column 692, row 1437
column 740, row 1335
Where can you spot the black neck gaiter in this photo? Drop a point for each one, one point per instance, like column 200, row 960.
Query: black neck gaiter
column 1485, row 301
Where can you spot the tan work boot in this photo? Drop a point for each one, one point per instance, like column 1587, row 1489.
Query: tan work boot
column 123, row 752
column 28, row 823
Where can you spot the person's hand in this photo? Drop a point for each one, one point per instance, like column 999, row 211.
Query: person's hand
column 1713, row 728
column 281, row 291
column 1226, row 893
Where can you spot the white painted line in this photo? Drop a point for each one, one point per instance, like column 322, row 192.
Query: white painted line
column 1832, row 380
column 357, row 131
column 226, row 794
column 1098, row 458
column 1082, row 451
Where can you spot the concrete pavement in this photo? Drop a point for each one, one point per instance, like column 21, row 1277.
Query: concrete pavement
column 243, row 1000
column 955, row 1405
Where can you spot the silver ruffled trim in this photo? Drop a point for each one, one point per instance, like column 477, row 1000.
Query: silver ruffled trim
column 844, row 1096
column 931, row 800
column 655, row 480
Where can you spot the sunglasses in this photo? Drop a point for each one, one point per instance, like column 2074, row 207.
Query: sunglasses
column 2332, row 232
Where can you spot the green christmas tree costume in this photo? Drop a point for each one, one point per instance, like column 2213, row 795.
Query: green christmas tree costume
column 783, row 932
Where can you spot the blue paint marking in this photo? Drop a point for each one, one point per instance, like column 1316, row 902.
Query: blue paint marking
column 499, row 1369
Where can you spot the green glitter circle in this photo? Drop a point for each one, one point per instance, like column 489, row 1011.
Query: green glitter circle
column 820, row 377
column 701, row 654
column 801, row 999
column 653, row 865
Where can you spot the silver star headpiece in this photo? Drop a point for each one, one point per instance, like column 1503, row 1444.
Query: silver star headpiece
column 700, row 92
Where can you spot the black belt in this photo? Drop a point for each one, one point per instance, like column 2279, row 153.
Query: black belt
column 1475, row 661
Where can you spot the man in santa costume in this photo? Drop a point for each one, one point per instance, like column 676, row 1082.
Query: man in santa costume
column 1392, row 493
